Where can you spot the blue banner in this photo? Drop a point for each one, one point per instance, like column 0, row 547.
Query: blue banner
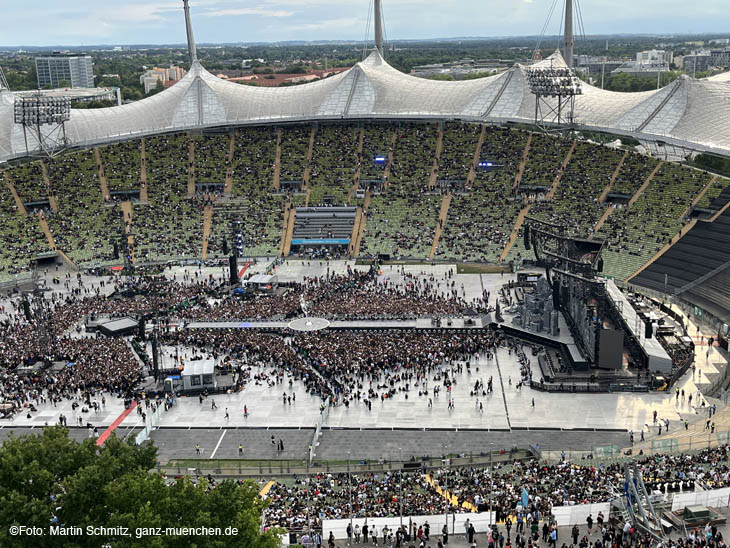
column 525, row 498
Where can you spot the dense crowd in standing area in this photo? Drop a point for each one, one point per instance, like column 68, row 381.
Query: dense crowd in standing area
column 305, row 501
column 194, row 297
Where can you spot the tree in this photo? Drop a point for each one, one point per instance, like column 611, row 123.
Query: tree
column 64, row 84
column 50, row 479
column 157, row 89
column 445, row 77
column 131, row 94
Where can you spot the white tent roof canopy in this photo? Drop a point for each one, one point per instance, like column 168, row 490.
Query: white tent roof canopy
column 687, row 113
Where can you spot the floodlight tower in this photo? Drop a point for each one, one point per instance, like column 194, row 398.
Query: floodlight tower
column 555, row 89
column 43, row 120
column 379, row 42
column 569, row 39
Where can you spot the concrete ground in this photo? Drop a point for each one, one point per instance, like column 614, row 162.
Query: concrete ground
column 571, row 421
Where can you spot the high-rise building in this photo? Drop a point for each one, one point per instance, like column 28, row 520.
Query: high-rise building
column 77, row 70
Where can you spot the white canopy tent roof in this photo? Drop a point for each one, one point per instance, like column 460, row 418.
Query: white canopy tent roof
column 687, row 113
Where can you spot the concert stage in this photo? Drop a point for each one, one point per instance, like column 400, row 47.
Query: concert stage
column 477, row 322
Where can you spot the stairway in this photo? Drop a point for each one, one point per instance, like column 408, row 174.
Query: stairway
column 207, row 221
column 289, row 231
column 46, row 178
column 356, row 178
column 102, row 177
column 722, row 210
column 53, row 200
column 191, row 166
column 642, row 188
column 443, row 214
column 277, row 161
column 143, row 195
column 523, row 163
column 368, row 199
column 228, row 189
column 355, row 231
column 285, row 226
column 363, row 222
column 127, row 215
column 556, row 182
column 602, row 220
column 477, row 156
column 515, row 232
column 699, row 196
column 18, row 202
column 386, row 173
column 47, row 231
column 609, row 186
column 308, row 163
column 435, row 169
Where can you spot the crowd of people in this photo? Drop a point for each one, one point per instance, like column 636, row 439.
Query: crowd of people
column 331, row 365
column 304, row 501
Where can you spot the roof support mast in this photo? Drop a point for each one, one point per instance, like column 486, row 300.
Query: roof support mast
column 569, row 39
column 379, row 27
column 189, row 29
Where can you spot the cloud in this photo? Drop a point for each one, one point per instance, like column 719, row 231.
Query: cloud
column 233, row 12
column 343, row 22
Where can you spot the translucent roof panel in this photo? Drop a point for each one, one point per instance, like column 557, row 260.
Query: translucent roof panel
column 690, row 113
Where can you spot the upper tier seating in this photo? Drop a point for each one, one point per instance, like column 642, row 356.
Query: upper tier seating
column 122, row 165
column 334, row 158
column 403, row 210
column 83, row 227
column 402, row 221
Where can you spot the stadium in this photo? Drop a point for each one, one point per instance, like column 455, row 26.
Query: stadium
column 397, row 304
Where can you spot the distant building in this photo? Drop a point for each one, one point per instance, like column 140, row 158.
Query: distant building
column 77, row 70
column 720, row 57
column 596, row 64
column 697, row 61
column 648, row 63
column 653, row 56
column 168, row 76
column 462, row 68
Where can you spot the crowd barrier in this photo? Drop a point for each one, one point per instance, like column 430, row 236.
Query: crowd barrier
column 564, row 516
column 153, row 419
column 576, row 515
column 717, row 498
column 455, row 522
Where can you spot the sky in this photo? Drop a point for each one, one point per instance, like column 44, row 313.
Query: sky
column 119, row 22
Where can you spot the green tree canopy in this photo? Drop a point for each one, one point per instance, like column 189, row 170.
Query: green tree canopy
column 49, row 480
